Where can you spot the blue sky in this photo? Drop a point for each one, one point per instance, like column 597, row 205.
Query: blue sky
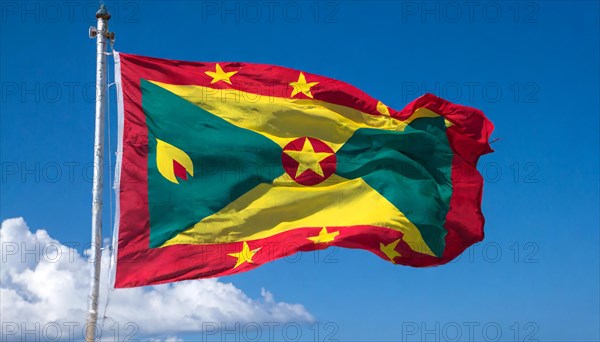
column 532, row 67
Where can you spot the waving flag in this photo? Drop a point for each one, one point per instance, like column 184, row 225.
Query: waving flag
column 227, row 166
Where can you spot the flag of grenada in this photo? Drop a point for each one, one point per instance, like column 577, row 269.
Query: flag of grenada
column 227, row 166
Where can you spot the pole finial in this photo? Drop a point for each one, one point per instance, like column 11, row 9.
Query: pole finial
column 102, row 13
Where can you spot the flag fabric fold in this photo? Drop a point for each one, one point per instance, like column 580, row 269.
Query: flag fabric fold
column 224, row 167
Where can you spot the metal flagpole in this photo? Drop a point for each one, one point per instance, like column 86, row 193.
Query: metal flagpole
column 101, row 34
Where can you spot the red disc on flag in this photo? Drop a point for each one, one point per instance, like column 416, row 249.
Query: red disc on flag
column 308, row 161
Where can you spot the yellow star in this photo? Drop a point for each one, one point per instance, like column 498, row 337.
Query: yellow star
column 324, row 236
column 220, row 75
column 245, row 255
column 390, row 250
column 301, row 86
column 382, row 109
column 308, row 159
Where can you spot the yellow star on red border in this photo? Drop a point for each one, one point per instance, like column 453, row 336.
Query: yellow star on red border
column 245, row 255
column 324, row 236
column 301, row 86
column 390, row 250
column 220, row 75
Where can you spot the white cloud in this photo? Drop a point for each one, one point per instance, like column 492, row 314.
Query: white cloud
column 45, row 285
column 168, row 339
